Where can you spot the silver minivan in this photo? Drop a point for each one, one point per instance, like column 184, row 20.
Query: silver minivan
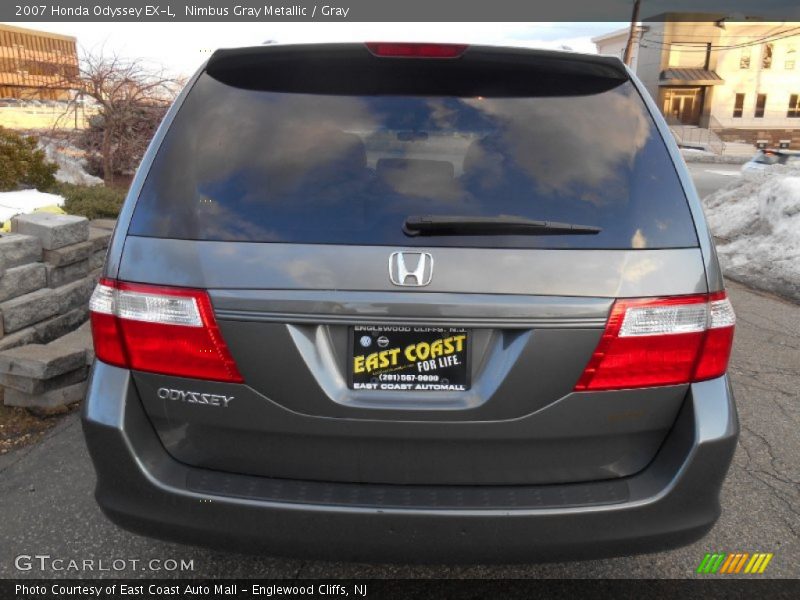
column 418, row 302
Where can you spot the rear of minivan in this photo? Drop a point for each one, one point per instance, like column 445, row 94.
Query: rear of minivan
column 412, row 302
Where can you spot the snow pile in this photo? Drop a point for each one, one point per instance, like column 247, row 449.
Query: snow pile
column 756, row 221
column 70, row 161
column 25, row 201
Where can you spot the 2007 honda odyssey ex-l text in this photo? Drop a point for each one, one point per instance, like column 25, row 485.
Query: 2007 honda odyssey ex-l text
column 412, row 302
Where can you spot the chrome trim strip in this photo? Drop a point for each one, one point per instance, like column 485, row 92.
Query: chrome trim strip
column 499, row 311
column 331, row 319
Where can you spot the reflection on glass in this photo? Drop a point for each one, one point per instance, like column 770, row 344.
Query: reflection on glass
column 266, row 166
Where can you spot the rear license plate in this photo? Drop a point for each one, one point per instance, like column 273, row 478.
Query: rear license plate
column 406, row 358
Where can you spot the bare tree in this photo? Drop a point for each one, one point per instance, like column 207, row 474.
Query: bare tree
column 130, row 99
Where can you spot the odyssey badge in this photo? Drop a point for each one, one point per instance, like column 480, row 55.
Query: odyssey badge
column 194, row 397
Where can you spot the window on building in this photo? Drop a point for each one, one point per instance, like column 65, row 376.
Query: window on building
column 790, row 58
column 766, row 56
column 688, row 55
column 794, row 107
column 674, row 58
column 761, row 103
column 744, row 59
column 738, row 106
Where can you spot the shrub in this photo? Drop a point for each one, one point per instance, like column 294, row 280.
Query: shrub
column 22, row 164
column 92, row 202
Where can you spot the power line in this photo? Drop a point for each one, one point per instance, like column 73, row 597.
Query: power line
column 697, row 35
column 754, row 42
column 768, row 33
column 688, row 46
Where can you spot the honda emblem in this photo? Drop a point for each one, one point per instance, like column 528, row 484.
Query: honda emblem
column 413, row 269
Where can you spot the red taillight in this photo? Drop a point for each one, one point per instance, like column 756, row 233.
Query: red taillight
column 159, row 330
column 416, row 50
column 662, row 341
column 713, row 359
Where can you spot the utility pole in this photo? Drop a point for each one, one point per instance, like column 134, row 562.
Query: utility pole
column 634, row 19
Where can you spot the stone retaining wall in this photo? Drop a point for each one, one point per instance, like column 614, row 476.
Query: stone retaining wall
column 49, row 266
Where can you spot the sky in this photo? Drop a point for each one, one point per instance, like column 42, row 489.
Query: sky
column 182, row 47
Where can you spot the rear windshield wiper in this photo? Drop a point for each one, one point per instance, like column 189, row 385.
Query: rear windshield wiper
column 503, row 225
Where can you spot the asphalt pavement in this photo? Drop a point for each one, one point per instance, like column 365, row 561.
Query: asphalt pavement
column 47, row 505
column 709, row 177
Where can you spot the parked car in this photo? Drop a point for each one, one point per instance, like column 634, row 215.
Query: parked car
column 423, row 302
column 767, row 157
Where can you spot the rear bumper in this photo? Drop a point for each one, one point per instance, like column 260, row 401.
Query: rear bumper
column 673, row 501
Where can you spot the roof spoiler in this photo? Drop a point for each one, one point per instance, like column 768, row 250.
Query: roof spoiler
column 354, row 69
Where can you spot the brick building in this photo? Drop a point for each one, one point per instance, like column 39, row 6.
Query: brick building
column 34, row 65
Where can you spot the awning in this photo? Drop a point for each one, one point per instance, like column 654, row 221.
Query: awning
column 689, row 77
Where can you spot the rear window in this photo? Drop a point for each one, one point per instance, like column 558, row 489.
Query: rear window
column 269, row 166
